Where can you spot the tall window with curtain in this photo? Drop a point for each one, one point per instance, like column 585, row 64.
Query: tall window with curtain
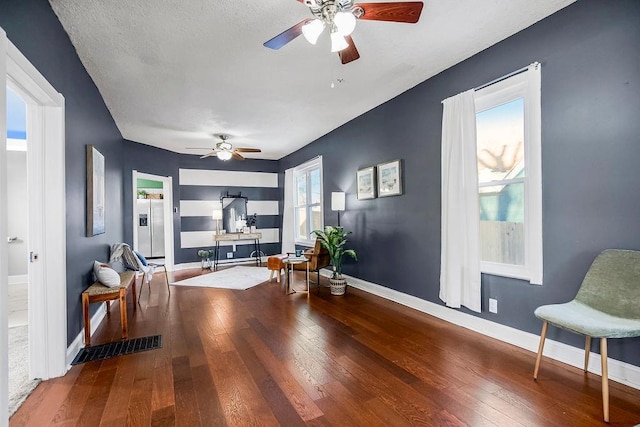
column 491, row 186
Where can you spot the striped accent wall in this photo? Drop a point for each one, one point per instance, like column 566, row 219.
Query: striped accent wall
column 200, row 192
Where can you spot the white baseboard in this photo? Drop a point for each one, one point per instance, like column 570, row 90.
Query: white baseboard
column 18, row 279
column 621, row 372
column 78, row 342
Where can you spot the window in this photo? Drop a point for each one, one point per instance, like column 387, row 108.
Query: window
column 307, row 201
column 509, row 176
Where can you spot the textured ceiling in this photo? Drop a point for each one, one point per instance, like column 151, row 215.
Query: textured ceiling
column 174, row 72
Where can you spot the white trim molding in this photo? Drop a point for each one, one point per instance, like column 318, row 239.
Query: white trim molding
column 18, row 279
column 78, row 342
column 622, row 372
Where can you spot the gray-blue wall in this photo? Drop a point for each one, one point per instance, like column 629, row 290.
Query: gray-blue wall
column 35, row 30
column 590, row 55
column 156, row 161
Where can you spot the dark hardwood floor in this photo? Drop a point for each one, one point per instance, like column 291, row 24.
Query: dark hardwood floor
column 260, row 357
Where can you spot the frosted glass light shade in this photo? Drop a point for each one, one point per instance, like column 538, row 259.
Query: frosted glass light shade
column 312, row 30
column 224, row 155
column 338, row 42
column 337, row 201
column 346, row 23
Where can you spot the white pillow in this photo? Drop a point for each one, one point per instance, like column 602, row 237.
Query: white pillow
column 105, row 275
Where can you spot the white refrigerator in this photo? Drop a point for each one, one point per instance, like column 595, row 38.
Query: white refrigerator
column 151, row 227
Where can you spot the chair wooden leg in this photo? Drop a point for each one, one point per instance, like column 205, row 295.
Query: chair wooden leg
column 543, row 336
column 166, row 278
column 87, row 319
column 123, row 310
column 587, row 350
column 144, row 276
column 605, row 379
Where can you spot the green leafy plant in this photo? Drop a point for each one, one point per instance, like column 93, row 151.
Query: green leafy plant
column 334, row 239
column 203, row 253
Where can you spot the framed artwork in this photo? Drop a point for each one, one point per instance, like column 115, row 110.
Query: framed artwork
column 95, row 192
column 366, row 183
column 389, row 179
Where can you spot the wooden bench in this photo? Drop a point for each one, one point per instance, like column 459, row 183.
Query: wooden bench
column 98, row 292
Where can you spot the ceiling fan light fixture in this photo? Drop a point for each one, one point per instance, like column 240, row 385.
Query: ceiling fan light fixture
column 338, row 42
column 224, row 155
column 346, row 23
column 312, row 30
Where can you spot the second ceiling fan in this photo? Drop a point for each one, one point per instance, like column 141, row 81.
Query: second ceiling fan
column 225, row 151
column 340, row 17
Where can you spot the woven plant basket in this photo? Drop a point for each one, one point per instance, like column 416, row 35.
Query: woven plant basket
column 338, row 286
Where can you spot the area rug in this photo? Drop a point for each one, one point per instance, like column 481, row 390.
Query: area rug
column 20, row 386
column 239, row 277
column 117, row 348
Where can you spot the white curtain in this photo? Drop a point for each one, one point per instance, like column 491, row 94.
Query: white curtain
column 287, row 215
column 460, row 262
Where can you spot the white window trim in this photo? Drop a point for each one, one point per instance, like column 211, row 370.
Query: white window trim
column 526, row 85
column 315, row 163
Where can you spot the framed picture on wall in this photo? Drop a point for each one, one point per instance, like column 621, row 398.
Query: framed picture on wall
column 389, row 179
column 366, row 183
column 95, row 192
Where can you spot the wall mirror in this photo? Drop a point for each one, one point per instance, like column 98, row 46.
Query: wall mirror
column 234, row 213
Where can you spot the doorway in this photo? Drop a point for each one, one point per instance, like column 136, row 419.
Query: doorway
column 153, row 217
column 20, row 382
column 46, row 240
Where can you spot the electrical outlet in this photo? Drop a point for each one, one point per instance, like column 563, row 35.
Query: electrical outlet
column 229, row 255
column 493, row 305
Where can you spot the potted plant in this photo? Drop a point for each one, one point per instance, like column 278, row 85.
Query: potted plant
column 333, row 239
column 251, row 222
column 142, row 194
column 205, row 257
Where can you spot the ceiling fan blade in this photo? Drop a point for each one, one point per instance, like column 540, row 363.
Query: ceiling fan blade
column 237, row 155
column 211, row 154
column 404, row 11
column 286, row 36
column 350, row 53
column 248, row 150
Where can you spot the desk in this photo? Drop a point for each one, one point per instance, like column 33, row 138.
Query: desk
column 289, row 263
column 235, row 237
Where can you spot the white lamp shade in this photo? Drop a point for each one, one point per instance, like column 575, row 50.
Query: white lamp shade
column 346, row 23
column 337, row 201
column 224, row 155
column 312, row 30
column 217, row 214
column 338, row 42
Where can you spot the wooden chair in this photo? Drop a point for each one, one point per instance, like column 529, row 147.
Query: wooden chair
column 318, row 258
column 606, row 306
column 98, row 292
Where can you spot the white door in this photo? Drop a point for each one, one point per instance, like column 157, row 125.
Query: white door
column 47, row 233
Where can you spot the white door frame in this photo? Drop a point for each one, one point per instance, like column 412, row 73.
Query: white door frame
column 167, row 190
column 47, row 232
column 4, row 259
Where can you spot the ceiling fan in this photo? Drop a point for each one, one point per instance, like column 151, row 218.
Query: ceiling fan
column 225, row 151
column 340, row 17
